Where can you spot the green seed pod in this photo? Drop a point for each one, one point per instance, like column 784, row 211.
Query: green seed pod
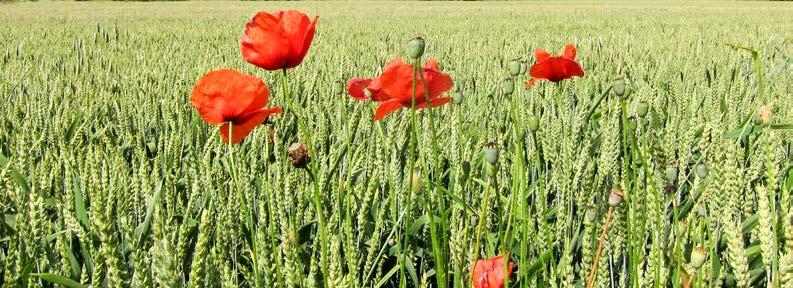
column 591, row 214
column 338, row 87
column 509, row 86
column 457, row 97
column 698, row 257
column 514, row 68
column 681, row 228
column 702, row 170
column 523, row 67
column 621, row 88
column 642, row 108
column 152, row 147
column 491, row 153
column 631, row 124
column 671, row 173
column 416, row 48
column 534, row 123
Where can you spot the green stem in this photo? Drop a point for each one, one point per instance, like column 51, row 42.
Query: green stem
column 245, row 207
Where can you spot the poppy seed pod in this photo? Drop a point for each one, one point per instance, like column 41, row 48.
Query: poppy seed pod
column 631, row 124
column 621, row 88
column 491, row 153
column 298, row 155
column 698, row 257
column 671, row 173
column 534, row 123
column 523, row 67
column 642, row 108
column 590, row 215
column 702, row 170
column 338, row 87
column 615, row 198
column 514, row 68
column 416, row 48
column 457, row 97
column 509, row 86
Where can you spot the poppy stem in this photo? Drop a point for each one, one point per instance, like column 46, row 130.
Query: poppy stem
column 411, row 169
column 482, row 219
column 593, row 271
column 244, row 207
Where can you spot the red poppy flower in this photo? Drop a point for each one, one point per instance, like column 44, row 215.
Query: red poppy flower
column 555, row 68
column 489, row 273
column 231, row 98
column 277, row 41
column 396, row 82
column 362, row 89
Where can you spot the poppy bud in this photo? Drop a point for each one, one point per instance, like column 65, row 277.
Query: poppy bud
column 457, row 97
column 702, row 170
column 642, row 108
column 615, row 197
column 508, row 86
column 765, row 115
column 514, row 68
column 698, row 257
column 338, row 87
column 415, row 182
column 523, row 67
column 298, row 155
column 416, row 48
column 152, row 147
column 621, row 89
column 681, row 228
column 671, row 173
column 491, row 153
column 631, row 124
column 534, row 123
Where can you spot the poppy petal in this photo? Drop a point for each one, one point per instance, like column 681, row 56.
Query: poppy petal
column 542, row 70
column 242, row 128
column 299, row 29
column 222, row 95
column 438, row 83
column 432, row 64
column 434, row 102
column 265, row 43
column 386, row 108
column 531, row 83
column 569, row 52
column 540, row 55
column 397, row 82
column 356, row 86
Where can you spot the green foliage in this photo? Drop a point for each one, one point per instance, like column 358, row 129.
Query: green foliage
column 110, row 178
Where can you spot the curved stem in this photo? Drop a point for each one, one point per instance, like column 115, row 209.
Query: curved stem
column 593, row 272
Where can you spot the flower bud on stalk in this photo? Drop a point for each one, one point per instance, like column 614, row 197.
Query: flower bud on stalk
column 457, row 97
column 523, row 67
column 702, row 170
column 514, row 68
column 509, row 86
column 491, row 153
column 298, row 155
column 621, row 88
column 338, row 87
column 534, row 123
column 671, row 173
column 416, row 48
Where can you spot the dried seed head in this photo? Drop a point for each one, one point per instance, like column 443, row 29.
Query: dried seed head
column 615, row 198
column 298, row 155
column 698, row 257
column 491, row 152
column 415, row 182
column 514, row 68
column 765, row 115
column 416, row 47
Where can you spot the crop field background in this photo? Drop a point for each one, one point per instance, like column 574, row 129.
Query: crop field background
column 109, row 177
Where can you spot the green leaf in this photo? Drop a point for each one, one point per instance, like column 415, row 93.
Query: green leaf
column 387, row 276
column 305, row 233
column 14, row 174
column 58, row 279
column 143, row 229
column 79, row 204
column 69, row 134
